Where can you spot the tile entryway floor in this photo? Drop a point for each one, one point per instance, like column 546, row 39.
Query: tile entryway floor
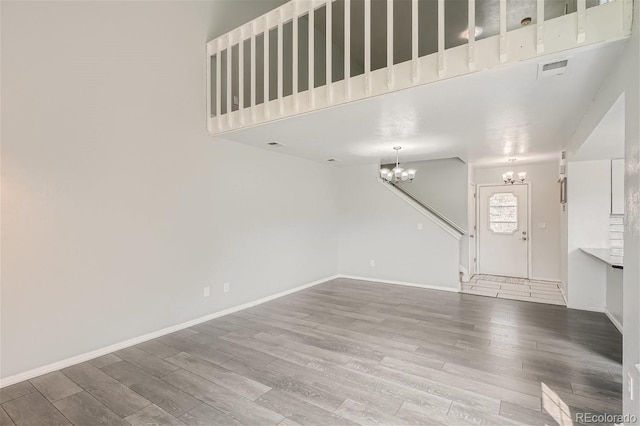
column 514, row 288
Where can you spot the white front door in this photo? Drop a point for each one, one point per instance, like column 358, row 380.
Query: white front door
column 503, row 230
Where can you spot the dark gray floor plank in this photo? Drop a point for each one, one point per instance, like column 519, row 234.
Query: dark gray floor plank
column 237, row 351
column 157, row 348
column 299, row 411
column 116, row 396
column 150, row 363
column 153, row 415
column 5, row 420
column 15, row 391
column 183, row 344
column 206, row 415
column 277, row 351
column 343, row 389
column 414, row 414
column 83, row 409
column 287, row 382
column 55, row 386
column 33, row 409
column 104, row 360
column 223, row 399
column 524, row 415
column 241, row 385
column 366, row 415
column 161, row 393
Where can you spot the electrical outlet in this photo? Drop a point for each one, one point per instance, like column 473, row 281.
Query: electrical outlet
column 236, row 100
column 207, row 291
column 372, row 262
column 226, row 287
column 630, row 386
column 419, row 227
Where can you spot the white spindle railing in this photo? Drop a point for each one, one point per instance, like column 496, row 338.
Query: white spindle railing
column 347, row 49
column 367, row 47
column 540, row 27
column 415, row 38
column 222, row 91
column 390, row 44
column 471, row 60
column 311, row 56
column 503, row 31
column 266, row 85
column 328, row 51
column 441, row 38
column 582, row 10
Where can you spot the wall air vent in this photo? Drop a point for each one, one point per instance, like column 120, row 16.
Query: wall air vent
column 332, row 160
column 552, row 68
column 274, row 144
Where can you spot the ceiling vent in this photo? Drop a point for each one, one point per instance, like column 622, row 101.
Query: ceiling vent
column 552, row 68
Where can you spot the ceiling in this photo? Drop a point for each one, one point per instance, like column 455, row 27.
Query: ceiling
column 482, row 118
column 607, row 139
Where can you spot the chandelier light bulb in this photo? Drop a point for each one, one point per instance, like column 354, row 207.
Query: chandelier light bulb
column 397, row 174
column 507, row 177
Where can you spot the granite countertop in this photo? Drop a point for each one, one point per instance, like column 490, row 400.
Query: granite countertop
column 604, row 255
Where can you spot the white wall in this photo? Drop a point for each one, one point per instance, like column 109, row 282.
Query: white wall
column 117, row 207
column 628, row 73
column 589, row 208
column 441, row 185
column 450, row 200
column 376, row 225
column 624, row 80
column 545, row 213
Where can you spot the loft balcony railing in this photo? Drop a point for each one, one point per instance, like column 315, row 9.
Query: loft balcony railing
column 309, row 55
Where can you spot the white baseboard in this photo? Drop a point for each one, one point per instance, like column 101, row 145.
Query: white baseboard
column 427, row 286
column 587, row 308
column 613, row 320
column 20, row 377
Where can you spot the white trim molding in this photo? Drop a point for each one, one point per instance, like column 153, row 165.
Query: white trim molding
column 449, row 229
column 614, row 320
column 404, row 283
column 30, row 374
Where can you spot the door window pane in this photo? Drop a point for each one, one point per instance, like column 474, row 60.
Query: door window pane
column 503, row 213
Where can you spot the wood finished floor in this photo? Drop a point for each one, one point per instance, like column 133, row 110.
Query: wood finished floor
column 347, row 352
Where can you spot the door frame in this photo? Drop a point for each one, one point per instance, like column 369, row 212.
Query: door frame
column 529, row 236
